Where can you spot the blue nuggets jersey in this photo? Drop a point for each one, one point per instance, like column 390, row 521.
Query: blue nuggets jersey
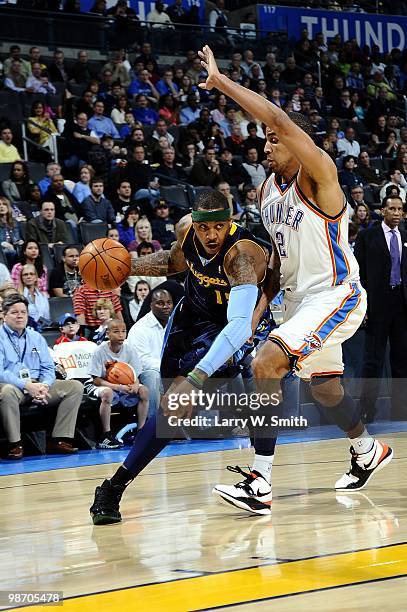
column 207, row 287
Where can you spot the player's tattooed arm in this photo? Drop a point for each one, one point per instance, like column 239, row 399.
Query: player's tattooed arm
column 164, row 263
column 245, row 264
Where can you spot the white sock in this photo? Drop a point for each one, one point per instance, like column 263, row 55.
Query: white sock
column 362, row 444
column 263, row 464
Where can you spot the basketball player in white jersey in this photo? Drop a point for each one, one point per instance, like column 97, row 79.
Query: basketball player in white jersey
column 305, row 212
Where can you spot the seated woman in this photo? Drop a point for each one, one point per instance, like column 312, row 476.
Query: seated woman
column 143, row 233
column 141, row 291
column 40, row 125
column 126, row 227
column 38, row 305
column 31, row 253
column 17, row 187
column 10, row 236
column 82, row 187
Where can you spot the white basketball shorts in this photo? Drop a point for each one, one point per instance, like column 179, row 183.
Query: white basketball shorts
column 316, row 325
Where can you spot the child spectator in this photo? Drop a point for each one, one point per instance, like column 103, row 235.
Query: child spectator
column 112, row 394
column 69, row 326
column 103, row 310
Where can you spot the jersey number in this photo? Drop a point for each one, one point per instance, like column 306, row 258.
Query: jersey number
column 280, row 244
column 220, row 296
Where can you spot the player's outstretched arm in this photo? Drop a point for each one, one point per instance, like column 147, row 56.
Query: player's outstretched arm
column 316, row 162
column 164, row 263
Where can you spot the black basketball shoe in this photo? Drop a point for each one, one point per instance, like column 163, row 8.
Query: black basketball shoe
column 105, row 508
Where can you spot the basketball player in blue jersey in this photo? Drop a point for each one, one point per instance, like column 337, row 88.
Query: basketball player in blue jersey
column 305, row 212
column 226, row 267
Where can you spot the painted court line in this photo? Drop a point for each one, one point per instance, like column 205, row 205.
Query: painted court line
column 264, row 582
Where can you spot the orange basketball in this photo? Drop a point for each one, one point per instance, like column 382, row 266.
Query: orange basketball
column 104, row 264
column 119, row 373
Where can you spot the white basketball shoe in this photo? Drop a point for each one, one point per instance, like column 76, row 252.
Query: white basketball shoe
column 253, row 494
column 363, row 466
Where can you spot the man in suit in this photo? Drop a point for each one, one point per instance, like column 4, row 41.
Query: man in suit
column 382, row 255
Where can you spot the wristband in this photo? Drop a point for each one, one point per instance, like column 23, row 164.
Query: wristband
column 194, row 381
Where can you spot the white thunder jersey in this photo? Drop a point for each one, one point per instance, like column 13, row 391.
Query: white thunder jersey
column 313, row 246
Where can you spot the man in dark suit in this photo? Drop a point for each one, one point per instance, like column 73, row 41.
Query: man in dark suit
column 382, row 255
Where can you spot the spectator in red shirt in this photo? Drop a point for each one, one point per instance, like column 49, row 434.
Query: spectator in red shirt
column 85, row 298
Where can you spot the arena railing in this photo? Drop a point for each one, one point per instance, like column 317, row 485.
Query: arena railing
column 84, row 30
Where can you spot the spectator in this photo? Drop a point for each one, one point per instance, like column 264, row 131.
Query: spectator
column 65, row 278
column 84, row 300
column 31, row 253
column 255, row 170
column 357, row 196
column 389, row 149
column 218, row 113
column 230, row 120
column 396, row 178
column 157, row 18
column 169, row 169
column 370, row 176
column 118, row 114
column 38, row 81
column 355, row 78
column 40, row 125
column 232, row 171
column 348, row 177
column 343, row 108
column 52, row 168
column 66, row 205
column 381, row 255
column 235, row 208
column 379, row 84
column 144, row 233
column 58, row 70
column 46, row 228
column 146, row 56
column 126, row 228
column 69, row 327
column 135, row 394
column 126, row 129
column 235, row 141
column 15, row 56
column 123, row 199
column 29, row 208
column 218, row 20
column 38, row 306
column 143, row 113
column 118, row 68
column 142, row 289
column 82, row 189
column 348, row 145
column 362, row 217
column 168, row 109
column 291, row 75
column 80, row 139
column 166, row 84
column 250, row 203
column 318, row 102
column 194, row 71
column 8, row 152
column 146, row 338
column 143, row 85
column 253, row 140
column 104, row 311
column 17, row 187
column 191, row 111
column 163, row 226
column 161, row 131
column 205, row 171
column 10, row 237
column 96, row 208
column 100, row 124
column 21, row 346
column 15, row 79
column 176, row 12
column 82, row 71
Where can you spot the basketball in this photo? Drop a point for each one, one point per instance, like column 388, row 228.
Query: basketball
column 104, row 264
column 120, row 373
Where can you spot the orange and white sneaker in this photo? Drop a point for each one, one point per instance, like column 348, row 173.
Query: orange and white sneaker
column 363, row 466
column 253, row 494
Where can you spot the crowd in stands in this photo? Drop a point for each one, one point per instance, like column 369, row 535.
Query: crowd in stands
column 137, row 140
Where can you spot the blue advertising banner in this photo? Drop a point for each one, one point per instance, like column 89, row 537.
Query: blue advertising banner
column 386, row 31
column 143, row 7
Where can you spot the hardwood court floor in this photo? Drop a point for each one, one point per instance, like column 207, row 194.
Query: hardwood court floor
column 178, row 550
